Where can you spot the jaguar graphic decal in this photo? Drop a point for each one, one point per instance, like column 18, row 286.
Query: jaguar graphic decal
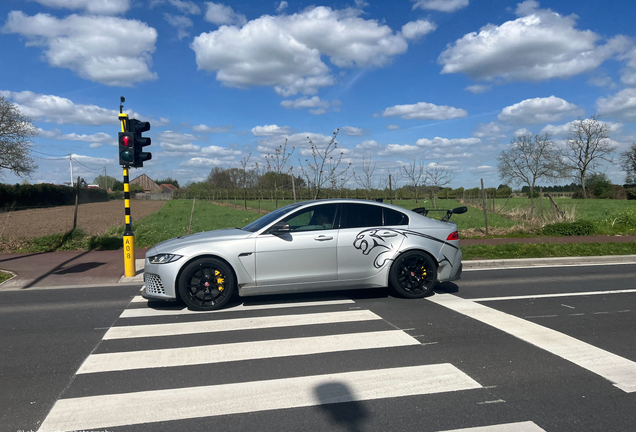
column 382, row 243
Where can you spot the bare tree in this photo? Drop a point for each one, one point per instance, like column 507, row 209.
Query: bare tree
column 276, row 164
column 628, row 163
column 437, row 177
column 391, row 181
column 416, row 174
column 365, row 178
column 530, row 158
column 244, row 162
column 587, row 145
column 16, row 131
column 323, row 169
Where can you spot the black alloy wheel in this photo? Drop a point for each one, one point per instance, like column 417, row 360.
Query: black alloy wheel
column 413, row 275
column 206, row 284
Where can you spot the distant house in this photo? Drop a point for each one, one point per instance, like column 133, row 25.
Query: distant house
column 168, row 188
column 146, row 182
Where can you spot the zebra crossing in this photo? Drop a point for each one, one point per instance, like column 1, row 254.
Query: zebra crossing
column 146, row 362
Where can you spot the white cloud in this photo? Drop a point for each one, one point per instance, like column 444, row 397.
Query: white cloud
column 492, row 130
column 56, row 134
column 522, row 131
column 538, row 45
column 392, row 127
column 219, row 151
column 269, row 130
column 367, row 145
column 417, row 29
column 285, row 51
column 176, row 137
column 424, row 111
column 91, row 160
column 199, row 162
column 438, row 142
column 55, row 109
column 282, row 6
column 628, row 73
column 300, row 141
column 539, row 110
column 106, row 7
column 564, row 130
column 220, row 14
column 211, row 129
column 95, row 145
column 440, row 5
column 109, row 50
column 351, row 131
column 187, row 7
column 180, row 22
column 320, row 106
column 621, row 105
column 399, row 148
column 190, row 148
column 478, row 88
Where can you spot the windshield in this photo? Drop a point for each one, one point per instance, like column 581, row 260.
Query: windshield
column 269, row 218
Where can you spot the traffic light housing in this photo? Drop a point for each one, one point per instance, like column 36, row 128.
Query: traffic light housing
column 126, row 149
column 131, row 144
column 137, row 127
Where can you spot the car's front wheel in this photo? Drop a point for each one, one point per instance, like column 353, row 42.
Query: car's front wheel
column 413, row 275
column 206, row 284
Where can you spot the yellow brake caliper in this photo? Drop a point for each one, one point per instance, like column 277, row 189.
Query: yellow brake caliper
column 219, row 279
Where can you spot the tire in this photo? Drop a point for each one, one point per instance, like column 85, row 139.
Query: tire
column 413, row 275
column 206, row 284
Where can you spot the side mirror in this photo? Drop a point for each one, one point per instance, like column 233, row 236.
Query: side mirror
column 460, row 210
column 279, row 228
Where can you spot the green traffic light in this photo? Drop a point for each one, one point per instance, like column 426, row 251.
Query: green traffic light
column 126, row 156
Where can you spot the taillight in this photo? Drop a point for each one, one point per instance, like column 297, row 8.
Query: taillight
column 453, row 236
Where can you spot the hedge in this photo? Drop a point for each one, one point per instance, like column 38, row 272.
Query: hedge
column 45, row 195
column 578, row 228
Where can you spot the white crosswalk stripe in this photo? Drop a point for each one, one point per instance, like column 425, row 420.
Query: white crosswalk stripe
column 309, row 329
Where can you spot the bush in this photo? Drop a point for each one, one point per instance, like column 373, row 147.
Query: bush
column 625, row 217
column 631, row 193
column 43, row 195
column 578, row 228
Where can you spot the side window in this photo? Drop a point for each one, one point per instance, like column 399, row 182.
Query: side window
column 321, row 217
column 393, row 217
column 362, row 216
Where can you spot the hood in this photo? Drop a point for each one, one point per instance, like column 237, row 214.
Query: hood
column 202, row 237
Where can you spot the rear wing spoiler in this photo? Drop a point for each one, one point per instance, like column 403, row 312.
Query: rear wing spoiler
column 458, row 210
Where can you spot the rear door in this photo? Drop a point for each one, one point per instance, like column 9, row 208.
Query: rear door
column 365, row 244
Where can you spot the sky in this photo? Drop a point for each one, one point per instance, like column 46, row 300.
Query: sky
column 446, row 82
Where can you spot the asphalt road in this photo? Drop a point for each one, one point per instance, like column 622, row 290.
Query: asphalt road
column 549, row 349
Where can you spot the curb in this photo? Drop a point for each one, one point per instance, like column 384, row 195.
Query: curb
column 547, row 262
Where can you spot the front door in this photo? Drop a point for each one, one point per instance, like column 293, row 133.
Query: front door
column 305, row 254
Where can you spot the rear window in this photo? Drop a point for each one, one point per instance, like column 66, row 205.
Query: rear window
column 394, row 217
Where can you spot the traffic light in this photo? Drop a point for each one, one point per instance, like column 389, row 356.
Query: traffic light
column 136, row 127
column 126, row 149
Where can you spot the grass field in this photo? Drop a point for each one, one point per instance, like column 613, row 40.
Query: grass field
column 545, row 250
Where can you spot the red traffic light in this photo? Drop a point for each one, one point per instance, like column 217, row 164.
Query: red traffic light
column 125, row 140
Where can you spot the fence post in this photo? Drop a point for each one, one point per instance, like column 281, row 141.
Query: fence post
column 483, row 193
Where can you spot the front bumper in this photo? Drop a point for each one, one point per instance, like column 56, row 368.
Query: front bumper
column 160, row 280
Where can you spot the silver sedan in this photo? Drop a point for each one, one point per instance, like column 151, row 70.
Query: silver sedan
column 318, row 245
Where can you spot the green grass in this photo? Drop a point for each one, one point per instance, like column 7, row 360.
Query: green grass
column 5, row 276
column 173, row 218
column 543, row 250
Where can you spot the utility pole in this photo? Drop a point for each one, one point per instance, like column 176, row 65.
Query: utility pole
column 70, row 158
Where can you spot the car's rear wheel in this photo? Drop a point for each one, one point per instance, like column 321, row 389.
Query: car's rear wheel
column 206, row 284
column 413, row 275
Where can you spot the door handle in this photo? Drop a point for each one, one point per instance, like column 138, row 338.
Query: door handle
column 388, row 234
column 323, row 238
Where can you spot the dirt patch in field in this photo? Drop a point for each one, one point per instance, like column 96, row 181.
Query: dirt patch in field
column 93, row 218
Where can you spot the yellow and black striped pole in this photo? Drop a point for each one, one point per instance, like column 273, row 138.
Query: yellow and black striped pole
column 129, row 237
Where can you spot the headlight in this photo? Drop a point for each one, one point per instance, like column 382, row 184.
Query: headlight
column 163, row 258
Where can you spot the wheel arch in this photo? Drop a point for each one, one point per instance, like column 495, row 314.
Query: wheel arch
column 195, row 258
